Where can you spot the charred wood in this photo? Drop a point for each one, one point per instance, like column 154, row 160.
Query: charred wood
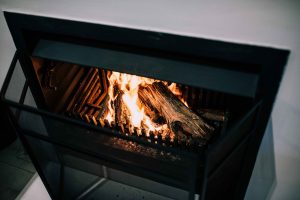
column 180, row 119
column 211, row 114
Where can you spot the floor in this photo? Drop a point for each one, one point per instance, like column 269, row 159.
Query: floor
column 16, row 170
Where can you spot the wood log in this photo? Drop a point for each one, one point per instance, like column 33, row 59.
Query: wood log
column 212, row 114
column 97, row 97
column 122, row 114
column 150, row 109
column 180, row 119
column 90, row 111
column 72, row 107
column 103, row 110
column 118, row 107
column 117, row 93
column 86, row 92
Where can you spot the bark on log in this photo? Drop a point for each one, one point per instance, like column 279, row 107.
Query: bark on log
column 180, row 119
column 103, row 109
column 122, row 113
column 149, row 109
column 211, row 114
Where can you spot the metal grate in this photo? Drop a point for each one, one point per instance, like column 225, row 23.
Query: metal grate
column 89, row 103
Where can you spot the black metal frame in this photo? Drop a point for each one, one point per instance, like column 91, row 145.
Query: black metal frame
column 23, row 134
column 265, row 63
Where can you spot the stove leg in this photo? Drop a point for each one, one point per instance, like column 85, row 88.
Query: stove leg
column 96, row 184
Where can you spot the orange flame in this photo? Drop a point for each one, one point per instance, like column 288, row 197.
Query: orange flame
column 129, row 85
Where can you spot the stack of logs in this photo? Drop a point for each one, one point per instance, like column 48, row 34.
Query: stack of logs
column 90, row 103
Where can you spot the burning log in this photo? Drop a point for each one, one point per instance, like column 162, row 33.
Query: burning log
column 118, row 104
column 103, row 110
column 180, row 119
column 118, row 108
column 122, row 113
column 150, row 109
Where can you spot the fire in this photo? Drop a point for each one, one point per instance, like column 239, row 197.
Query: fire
column 128, row 86
column 176, row 91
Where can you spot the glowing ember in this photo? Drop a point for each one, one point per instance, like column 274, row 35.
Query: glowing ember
column 128, row 85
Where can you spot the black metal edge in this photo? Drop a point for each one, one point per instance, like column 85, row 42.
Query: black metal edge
column 34, row 135
column 153, row 175
column 171, row 181
column 257, row 110
column 32, row 79
column 9, row 75
column 19, row 56
column 115, row 163
column 22, row 133
column 107, row 131
column 270, row 80
column 37, row 166
column 234, row 128
column 202, row 185
column 13, row 121
column 78, row 122
column 195, row 74
column 230, row 154
column 209, row 174
column 22, row 97
column 28, row 149
column 166, row 42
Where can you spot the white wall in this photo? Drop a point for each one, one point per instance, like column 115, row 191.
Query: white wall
column 263, row 22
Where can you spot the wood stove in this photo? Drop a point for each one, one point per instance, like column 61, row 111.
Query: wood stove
column 176, row 116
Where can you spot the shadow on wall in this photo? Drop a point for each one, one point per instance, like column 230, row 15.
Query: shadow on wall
column 286, row 128
column 263, row 180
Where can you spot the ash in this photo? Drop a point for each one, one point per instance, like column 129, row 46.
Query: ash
column 142, row 150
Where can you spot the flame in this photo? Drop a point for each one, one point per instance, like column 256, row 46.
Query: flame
column 129, row 86
column 177, row 92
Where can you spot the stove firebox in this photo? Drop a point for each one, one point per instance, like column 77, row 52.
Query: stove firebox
column 102, row 109
column 160, row 111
